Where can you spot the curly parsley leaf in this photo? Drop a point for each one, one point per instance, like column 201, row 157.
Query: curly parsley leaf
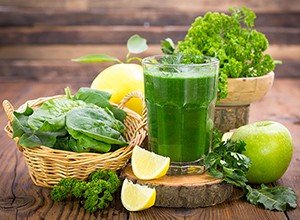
column 95, row 194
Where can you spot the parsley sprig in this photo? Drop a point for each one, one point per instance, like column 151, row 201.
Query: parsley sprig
column 96, row 194
column 226, row 161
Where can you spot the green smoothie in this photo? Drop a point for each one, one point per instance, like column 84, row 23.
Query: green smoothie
column 180, row 108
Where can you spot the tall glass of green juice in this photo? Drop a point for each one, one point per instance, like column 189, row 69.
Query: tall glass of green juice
column 180, row 100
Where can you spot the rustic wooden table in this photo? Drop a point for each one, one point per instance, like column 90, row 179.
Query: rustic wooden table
column 21, row 199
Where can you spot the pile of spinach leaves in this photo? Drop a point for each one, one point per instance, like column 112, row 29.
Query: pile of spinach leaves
column 85, row 122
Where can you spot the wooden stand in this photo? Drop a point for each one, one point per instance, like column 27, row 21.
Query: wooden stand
column 231, row 117
column 189, row 191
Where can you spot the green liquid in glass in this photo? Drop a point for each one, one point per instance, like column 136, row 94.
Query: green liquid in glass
column 180, row 113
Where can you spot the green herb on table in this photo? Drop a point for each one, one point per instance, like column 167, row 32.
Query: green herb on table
column 85, row 122
column 96, row 193
column 226, row 161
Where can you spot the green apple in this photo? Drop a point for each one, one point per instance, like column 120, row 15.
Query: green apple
column 269, row 146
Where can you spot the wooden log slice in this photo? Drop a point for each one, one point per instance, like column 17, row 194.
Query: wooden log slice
column 231, row 117
column 188, row 191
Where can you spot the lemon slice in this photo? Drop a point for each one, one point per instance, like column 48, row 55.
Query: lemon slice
column 147, row 165
column 136, row 197
column 226, row 136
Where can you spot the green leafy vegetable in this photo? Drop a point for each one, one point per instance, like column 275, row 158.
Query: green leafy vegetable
column 167, row 46
column 101, row 99
column 232, row 39
column 136, row 44
column 93, row 96
column 227, row 161
column 79, row 123
column 96, row 58
column 97, row 124
column 20, row 125
column 32, row 138
column 96, row 194
column 276, row 198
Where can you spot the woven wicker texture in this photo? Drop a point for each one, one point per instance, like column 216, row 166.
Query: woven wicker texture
column 47, row 166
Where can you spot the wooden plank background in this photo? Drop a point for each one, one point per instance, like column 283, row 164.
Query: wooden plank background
column 39, row 37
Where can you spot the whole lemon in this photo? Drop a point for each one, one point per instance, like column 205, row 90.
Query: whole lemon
column 119, row 80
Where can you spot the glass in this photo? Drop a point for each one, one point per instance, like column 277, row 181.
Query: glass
column 180, row 100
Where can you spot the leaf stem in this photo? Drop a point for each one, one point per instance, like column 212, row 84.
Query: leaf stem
column 134, row 58
column 68, row 92
column 127, row 57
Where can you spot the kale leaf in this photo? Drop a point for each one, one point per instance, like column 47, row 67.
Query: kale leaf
column 275, row 198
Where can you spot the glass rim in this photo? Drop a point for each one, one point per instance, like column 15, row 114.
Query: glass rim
column 146, row 60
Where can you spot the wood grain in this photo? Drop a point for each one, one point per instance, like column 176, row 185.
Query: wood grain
column 52, row 62
column 187, row 5
column 143, row 16
column 119, row 34
column 69, row 51
column 188, row 191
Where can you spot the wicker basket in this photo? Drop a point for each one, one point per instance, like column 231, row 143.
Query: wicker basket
column 47, row 166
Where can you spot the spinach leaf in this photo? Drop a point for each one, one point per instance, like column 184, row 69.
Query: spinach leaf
column 52, row 113
column 28, row 136
column 37, row 139
column 85, row 143
column 19, row 124
column 94, row 96
column 97, row 124
column 118, row 113
column 101, row 99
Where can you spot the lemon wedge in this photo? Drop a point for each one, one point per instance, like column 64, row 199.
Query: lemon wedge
column 147, row 165
column 136, row 197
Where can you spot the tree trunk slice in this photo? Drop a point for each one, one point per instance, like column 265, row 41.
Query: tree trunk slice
column 188, row 191
column 231, row 117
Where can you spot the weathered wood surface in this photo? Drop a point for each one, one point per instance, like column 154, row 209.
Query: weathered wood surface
column 44, row 62
column 188, row 191
column 119, row 34
column 20, row 199
column 187, row 5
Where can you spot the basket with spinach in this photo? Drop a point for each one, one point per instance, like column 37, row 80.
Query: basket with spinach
column 85, row 122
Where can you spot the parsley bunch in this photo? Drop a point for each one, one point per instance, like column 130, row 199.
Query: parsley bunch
column 226, row 161
column 230, row 38
column 96, row 194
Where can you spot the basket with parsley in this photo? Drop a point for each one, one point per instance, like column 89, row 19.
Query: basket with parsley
column 230, row 38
